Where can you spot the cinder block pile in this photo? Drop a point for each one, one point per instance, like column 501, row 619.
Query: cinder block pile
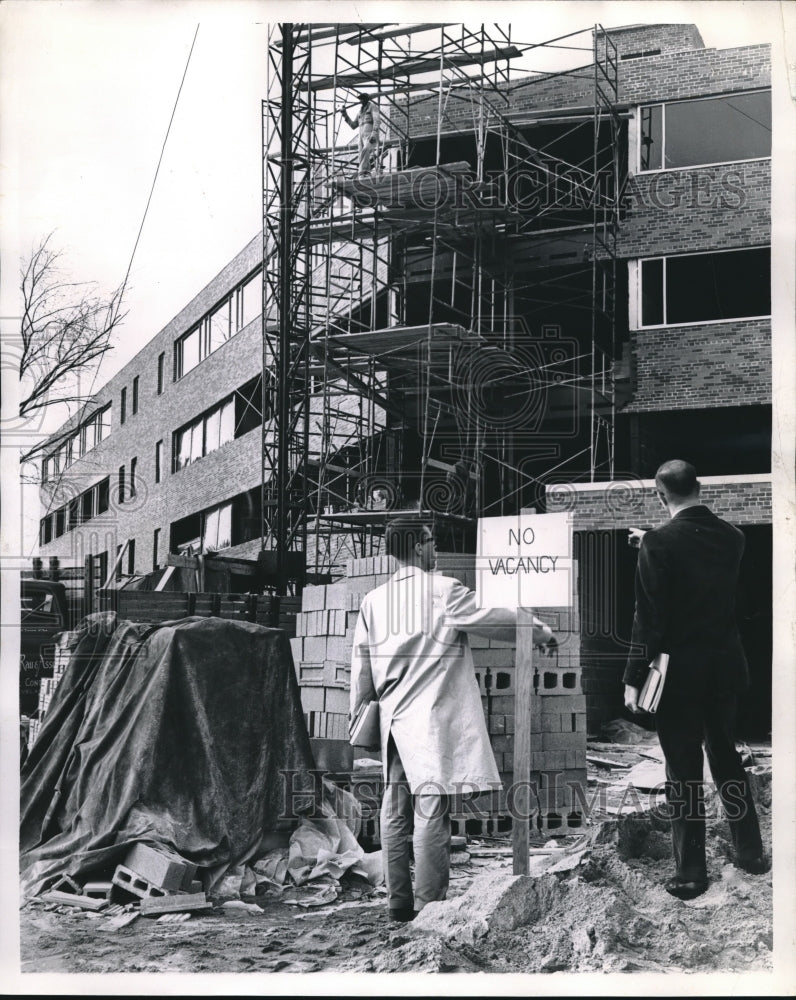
column 323, row 643
column 322, row 655
column 64, row 643
column 163, row 882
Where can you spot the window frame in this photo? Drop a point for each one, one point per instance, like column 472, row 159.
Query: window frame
column 685, row 100
column 123, row 405
column 637, row 324
column 134, row 401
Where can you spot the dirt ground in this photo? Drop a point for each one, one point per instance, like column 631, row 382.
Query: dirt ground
column 605, row 912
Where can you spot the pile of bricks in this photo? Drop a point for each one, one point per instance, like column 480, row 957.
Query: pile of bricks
column 156, row 879
column 324, row 641
column 64, row 642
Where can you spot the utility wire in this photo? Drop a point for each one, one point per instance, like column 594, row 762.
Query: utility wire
column 132, row 255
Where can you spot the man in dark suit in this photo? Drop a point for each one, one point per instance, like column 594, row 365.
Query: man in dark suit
column 686, row 580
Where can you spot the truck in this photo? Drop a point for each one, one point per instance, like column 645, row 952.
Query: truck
column 44, row 613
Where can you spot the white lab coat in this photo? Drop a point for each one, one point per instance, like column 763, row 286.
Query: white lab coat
column 411, row 650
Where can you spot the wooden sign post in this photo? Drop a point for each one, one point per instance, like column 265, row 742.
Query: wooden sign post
column 523, row 693
column 524, row 561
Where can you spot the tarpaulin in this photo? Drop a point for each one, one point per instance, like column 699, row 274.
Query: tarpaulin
column 184, row 734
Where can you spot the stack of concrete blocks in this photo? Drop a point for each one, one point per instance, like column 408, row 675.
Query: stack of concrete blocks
column 322, row 656
column 64, row 642
column 558, row 721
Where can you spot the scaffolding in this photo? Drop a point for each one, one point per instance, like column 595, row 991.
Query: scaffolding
column 400, row 339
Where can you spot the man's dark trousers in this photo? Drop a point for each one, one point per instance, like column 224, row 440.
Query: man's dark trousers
column 682, row 724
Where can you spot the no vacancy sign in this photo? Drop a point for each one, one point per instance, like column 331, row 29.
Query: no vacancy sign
column 524, row 561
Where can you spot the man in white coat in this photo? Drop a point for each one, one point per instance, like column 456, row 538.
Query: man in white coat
column 412, row 653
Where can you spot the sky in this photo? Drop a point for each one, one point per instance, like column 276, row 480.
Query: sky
column 87, row 91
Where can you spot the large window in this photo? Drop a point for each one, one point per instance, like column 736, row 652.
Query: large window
column 86, row 437
column 704, row 287
column 226, row 319
column 230, row 523
column 250, row 300
column 710, row 130
column 88, row 504
column 231, row 418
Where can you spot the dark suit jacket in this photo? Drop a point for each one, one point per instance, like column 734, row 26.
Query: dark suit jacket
column 686, row 580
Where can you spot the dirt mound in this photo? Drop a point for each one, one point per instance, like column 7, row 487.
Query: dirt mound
column 610, row 913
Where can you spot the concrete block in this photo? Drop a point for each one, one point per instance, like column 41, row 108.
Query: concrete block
column 98, row 890
column 297, row 649
column 160, row 867
column 314, row 649
column 313, row 598
column 335, row 648
column 310, row 674
column 187, row 902
column 133, row 883
column 336, row 700
column 502, row 704
column 336, row 622
column 576, row 758
column 353, row 604
column 336, row 595
column 563, row 741
column 312, row 699
column 550, row 723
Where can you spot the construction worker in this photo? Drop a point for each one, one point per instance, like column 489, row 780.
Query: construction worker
column 367, row 124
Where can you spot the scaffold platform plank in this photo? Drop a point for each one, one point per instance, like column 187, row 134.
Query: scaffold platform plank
column 409, row 67
column 400, row 339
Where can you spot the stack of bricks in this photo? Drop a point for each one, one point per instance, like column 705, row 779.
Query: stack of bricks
column 558, row 727
column 323, row 643
column 63, row 650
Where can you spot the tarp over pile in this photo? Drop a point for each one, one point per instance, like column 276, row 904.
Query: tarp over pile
column 175, row 734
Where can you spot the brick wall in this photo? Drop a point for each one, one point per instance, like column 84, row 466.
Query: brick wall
column 675, row 74
column 626, row 504
column 703, row 208
column 666, row 37
column 695, row 367
column 230, row 470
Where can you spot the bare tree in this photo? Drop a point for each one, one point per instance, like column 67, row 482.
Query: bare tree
column 66, row 330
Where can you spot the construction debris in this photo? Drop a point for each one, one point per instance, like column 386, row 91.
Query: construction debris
column 71, row 899
column 153, row 906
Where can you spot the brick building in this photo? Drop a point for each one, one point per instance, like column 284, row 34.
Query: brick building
column 168, row 454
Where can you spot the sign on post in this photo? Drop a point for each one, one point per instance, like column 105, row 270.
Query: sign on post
column 524, row 562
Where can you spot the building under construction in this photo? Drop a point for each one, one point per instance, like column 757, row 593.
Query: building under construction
column 533, row 287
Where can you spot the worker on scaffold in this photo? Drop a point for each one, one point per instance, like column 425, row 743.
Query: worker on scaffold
column 367, row 124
